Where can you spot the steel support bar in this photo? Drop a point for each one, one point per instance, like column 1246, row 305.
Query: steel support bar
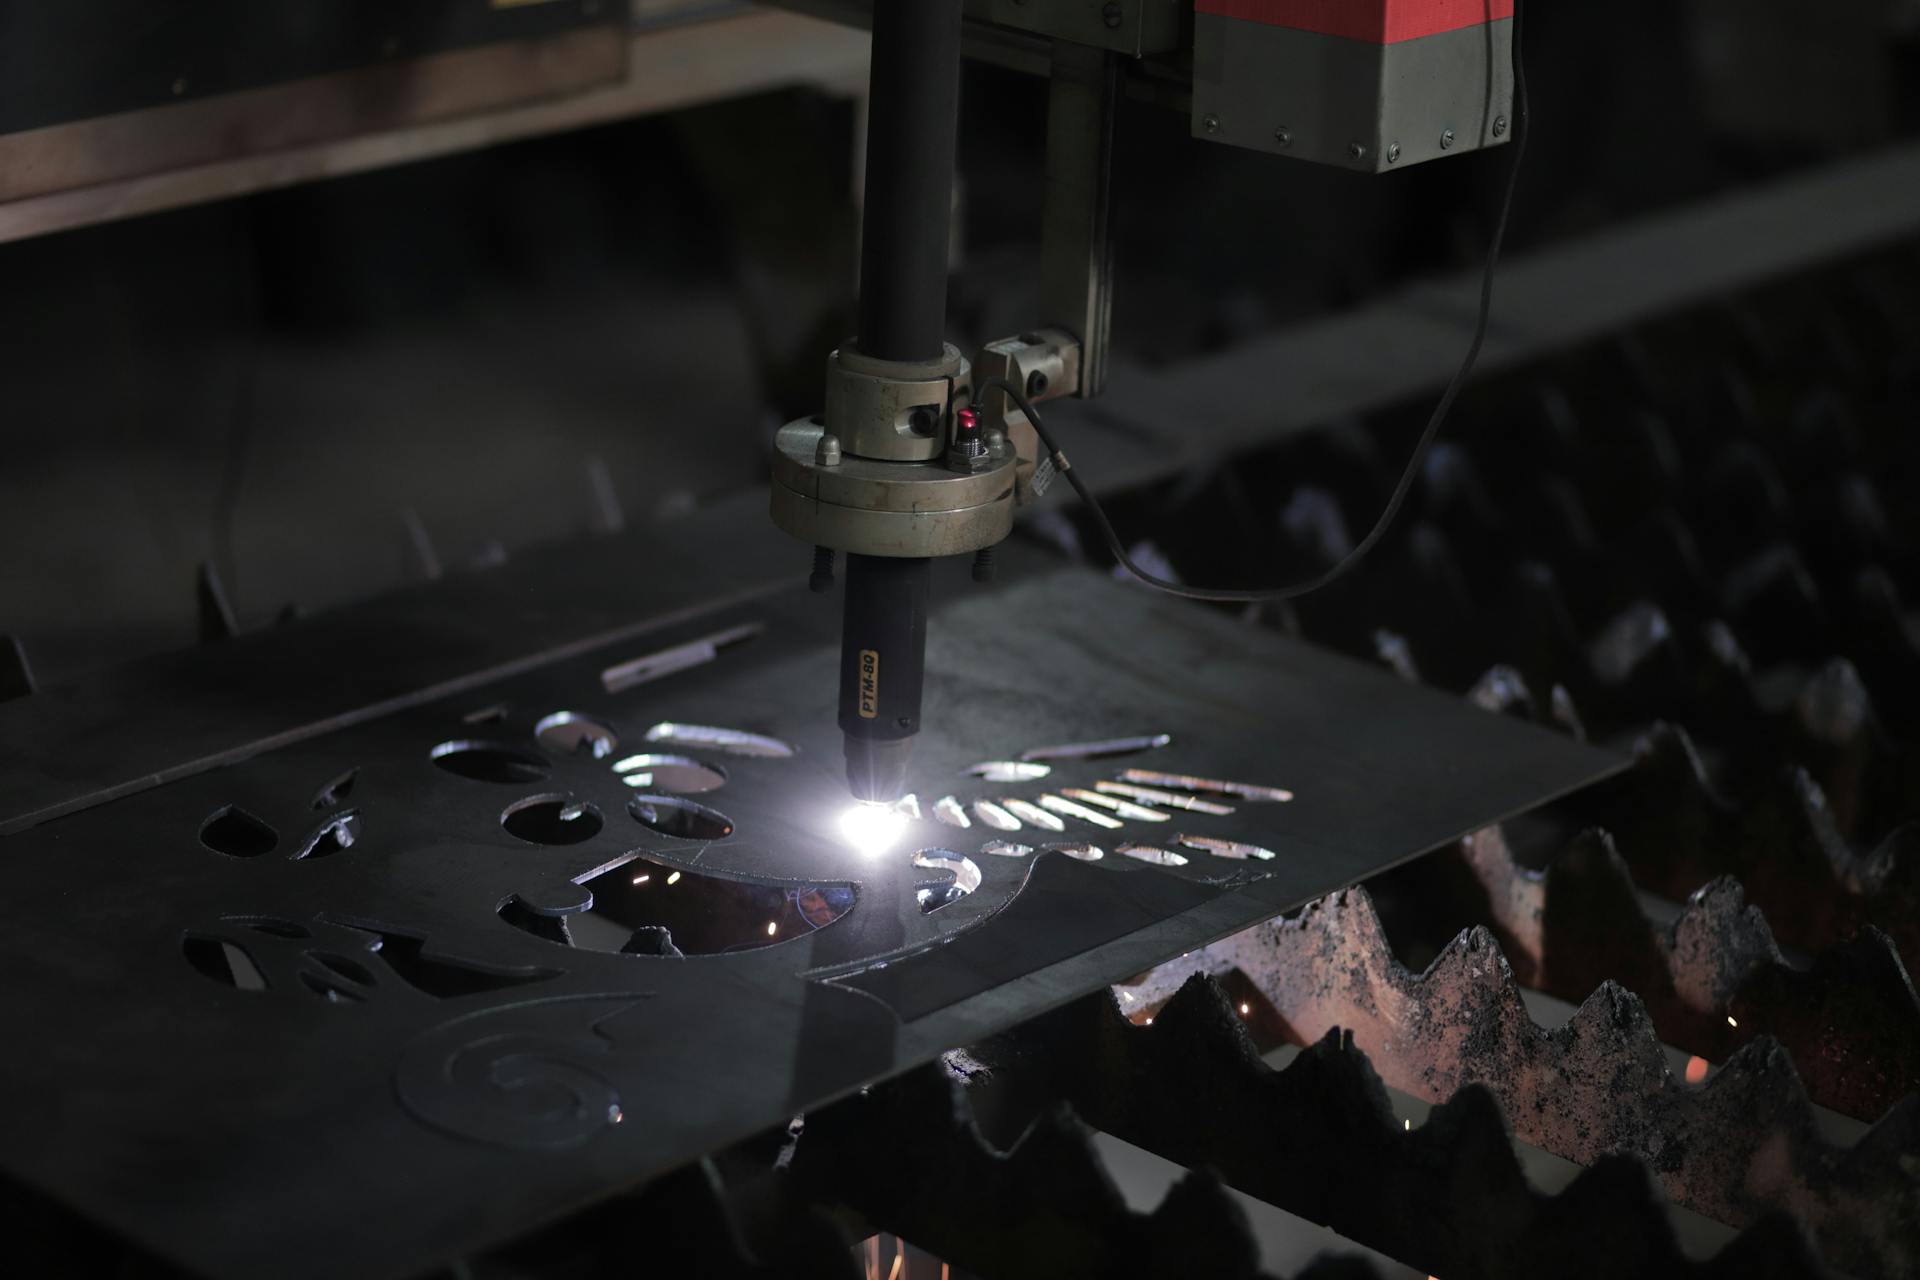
column 1076, row 269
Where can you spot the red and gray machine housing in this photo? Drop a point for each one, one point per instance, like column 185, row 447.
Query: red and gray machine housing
column 1368, row 85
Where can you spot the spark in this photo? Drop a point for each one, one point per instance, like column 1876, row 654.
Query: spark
column 872, row 828
column 1696, row 1070
column 772, row 928
column 1407, row 1125
column 641, row 879
column 1149, row 1021
column 674, row 878
column 1245, row 1009
column 1731, row 1022
column 899, row 1258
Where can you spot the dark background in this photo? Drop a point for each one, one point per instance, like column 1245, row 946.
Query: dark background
column 294, row 386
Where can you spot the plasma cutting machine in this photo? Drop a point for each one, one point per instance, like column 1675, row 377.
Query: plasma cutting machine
column 922, row 452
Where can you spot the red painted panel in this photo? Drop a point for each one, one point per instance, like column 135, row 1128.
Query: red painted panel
column 1375, row 21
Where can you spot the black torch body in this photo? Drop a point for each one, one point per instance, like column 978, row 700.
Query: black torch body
column 883, row 653
column 913, row 131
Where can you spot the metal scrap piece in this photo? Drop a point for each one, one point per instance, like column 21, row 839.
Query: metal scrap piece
column 1060, row 804
column 1188, row 782
column 1125, row 809
column 1449, row 1193
column 949, row 810
column 1712, row 980
column 1099, row 750
column 1238, row 850
column 1150, row 854
column 1598, row 1086
column 1033, row 814
column 1165, row 799
column 1010, row 770
column 995, row 816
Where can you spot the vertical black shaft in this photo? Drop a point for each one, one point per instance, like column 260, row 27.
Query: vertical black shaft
column 912, row 131
column 883, row 654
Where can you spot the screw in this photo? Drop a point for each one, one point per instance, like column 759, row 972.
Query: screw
column 1211, row 124
column 1112, row 15
column 1393, row 152
column 1446, row 140
column 1283, row 136
column 821, row 579
column 1499, row 126
column 1357, row 150
column 983, row 565
column 1036, row 385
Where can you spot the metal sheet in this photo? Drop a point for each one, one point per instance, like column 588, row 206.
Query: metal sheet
column 393, row 1053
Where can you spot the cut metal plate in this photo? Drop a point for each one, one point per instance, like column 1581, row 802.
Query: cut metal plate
column 427, row 977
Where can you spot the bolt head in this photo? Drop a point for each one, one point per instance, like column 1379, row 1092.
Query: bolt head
column 1112, row 15
column 1446, row 140
column 1284, row 137
column 1499, row 126
column 1357, row 150
column 1393, row 153
column 1211, row 124
column 827, row 452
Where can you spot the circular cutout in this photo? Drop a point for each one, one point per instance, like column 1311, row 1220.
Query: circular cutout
column 489, row 762
column 553, row 820
column 570, row 733
column 680, row 819
column 682, row 775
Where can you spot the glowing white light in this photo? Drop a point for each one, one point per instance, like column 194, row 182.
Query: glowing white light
column 1731, row 1022
column 674, row 878
column 872, row 828
column 772, row 928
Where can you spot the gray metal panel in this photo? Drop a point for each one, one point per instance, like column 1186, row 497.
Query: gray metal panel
column 1317, row 97
column 238, row 1130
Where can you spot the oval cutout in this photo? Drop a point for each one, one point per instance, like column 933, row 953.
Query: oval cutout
column 1084, row 852
column 238, row 834
column 679, row 819
column 573, row 733
column 489, row 762
column 1006, row 849
column 733, row 742
column 682, row 775
column 552, row 820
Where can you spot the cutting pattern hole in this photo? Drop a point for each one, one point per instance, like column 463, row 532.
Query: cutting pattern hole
column 489, row 762
column 238, row 834
column 1006, row 849
column 445, row 977
column 336, row 835
column 681, row 775
column 963, row 878
column 553, row 820
column 679, row 819
column 570, row 733
column 733, row 742
column 224, row 962
column 1149, row 854
column 335, row 793
column 1074, row 849
column 351, row 970
column 642, row 907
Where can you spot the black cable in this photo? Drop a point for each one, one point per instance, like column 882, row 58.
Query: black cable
column 1414, row 466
